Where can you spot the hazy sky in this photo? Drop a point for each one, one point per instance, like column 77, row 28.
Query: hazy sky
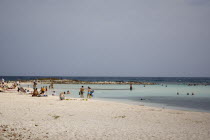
column 105, row 37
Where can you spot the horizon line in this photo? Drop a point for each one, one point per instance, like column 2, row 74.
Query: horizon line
column 109, row 76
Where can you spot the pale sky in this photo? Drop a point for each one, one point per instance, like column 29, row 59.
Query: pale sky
column 105, row 38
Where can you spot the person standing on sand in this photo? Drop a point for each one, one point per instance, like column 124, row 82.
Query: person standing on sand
column 81, row 93
column 35, row 84
column 2, row 80
column 18, row 83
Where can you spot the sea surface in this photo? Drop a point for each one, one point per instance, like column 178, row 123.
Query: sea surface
column 176, row 80
column 163, row 95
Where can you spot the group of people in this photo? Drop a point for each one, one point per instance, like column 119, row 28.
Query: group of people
column 36, row 93
column 44, row 89
column 62, row 94
column 51, row 86
column 89, row 92
column 11, row 86
column 8, row 85
column 42, row 92
column 81, row 93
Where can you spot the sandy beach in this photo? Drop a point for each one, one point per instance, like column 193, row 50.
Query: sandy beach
column 26, row 117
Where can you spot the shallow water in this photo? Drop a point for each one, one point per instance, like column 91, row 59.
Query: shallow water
column 150, row 95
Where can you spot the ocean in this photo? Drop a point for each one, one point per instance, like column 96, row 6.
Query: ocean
column 162, row 95
column 178, row 80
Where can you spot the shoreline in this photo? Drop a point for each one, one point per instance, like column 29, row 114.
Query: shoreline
column 156, row 105
column 131, row 101
column 26, row 117
column 145, row 103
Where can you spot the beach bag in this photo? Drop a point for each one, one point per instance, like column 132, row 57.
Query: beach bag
column 79, row 93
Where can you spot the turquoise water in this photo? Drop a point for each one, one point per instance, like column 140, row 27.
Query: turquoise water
column 177, row 80
column 150, row 95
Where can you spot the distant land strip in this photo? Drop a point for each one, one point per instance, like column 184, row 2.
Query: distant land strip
column 68, row 81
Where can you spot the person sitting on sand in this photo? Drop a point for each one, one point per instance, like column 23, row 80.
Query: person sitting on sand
column 12, row 87
column 22, row 90
column 42, row 90
column 35, row 93
column 62, row 96
column 81, row 93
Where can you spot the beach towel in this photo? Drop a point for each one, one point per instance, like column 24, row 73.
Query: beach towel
column 41, row 95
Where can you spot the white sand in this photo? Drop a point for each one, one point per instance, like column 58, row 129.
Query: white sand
column 26, row 117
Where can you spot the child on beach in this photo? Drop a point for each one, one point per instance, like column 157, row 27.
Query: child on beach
column 62, row 96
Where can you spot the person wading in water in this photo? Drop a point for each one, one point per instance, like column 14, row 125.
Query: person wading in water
column 81, row 93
